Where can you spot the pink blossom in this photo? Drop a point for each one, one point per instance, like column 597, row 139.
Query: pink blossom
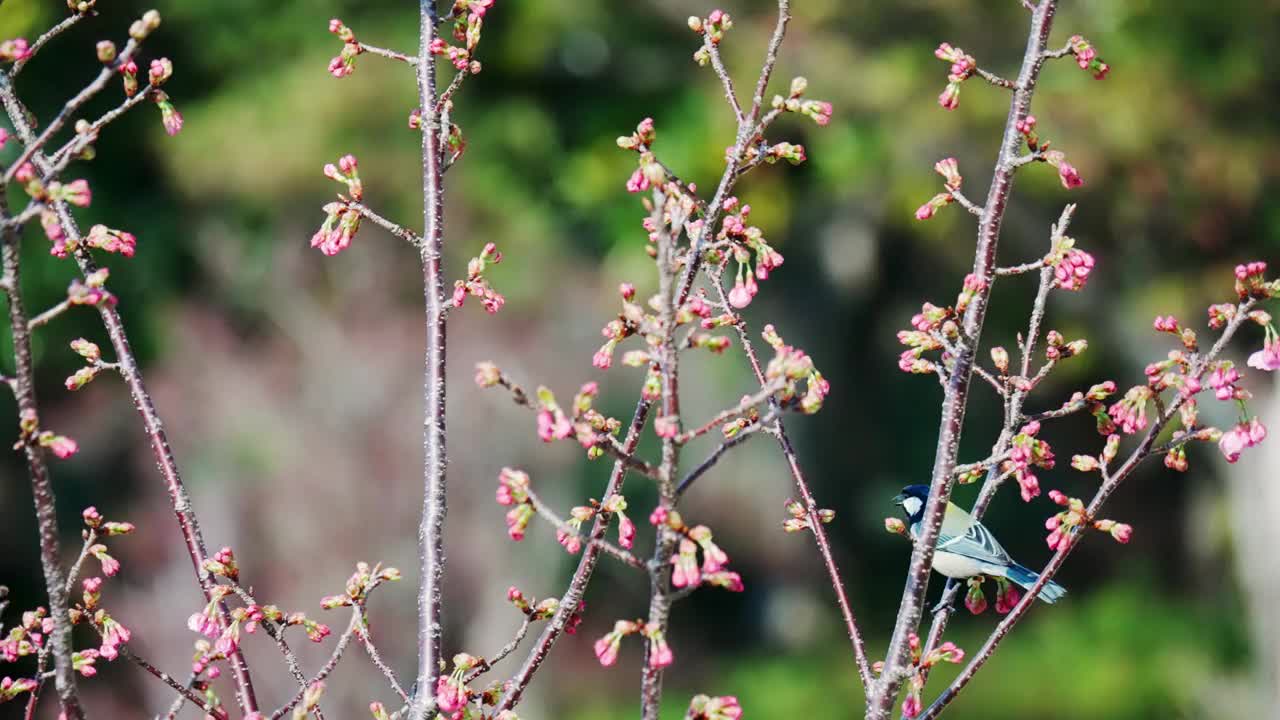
column 1122, row 532
column 925, row 211
column 911, row 705
column 638, row 182
column 553, row 426
column 451, row 694
column 64, row 447
column 1223, row 379
column 950, row 97
column 1069, row 175
column 685, row 572
column 606, row 649
column 1007, row 598
column 626, row 531
column 975, row 600
column 1232, row 443
column 1072, row 272
column 1268, row 358
column 660, row 654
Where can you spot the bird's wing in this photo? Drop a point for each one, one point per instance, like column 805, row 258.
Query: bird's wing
column 975, row 542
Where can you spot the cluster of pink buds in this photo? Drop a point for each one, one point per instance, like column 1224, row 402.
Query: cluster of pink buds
column 819, row 111
column 14, row 50
column 946, row 652
column 360, row 584
column 745, row 241
column 799, row 519
column 11, row 688
column 223, row 564
column 1120, row 532
column 468, row 23
column 1067, row 172
column 1242, row 436
column 1268, row 358
column 110, row 240
column 789, row 366
column 93, row 520
column 476, row 284
column 962, row 67
column 27, row 637
column 92, row 291
column 1130, row 412
column 1028, row 451
column 1062, row 525
column 686, row 572
column 341, row 222
column 513, row 489
column 607, row 647
column 704, row 707
column 345, row 63
column 76, row 192
column 949, row 169
column 1087, row 57
column 452, row 693
column 713, row 28
column 1251, row 281
column 649, row 172
column 1072, row 268
column 543, row 610
column 620, row 328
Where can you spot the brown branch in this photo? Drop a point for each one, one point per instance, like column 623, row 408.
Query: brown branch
column 41, row 482
column 431, row 554
column 363, row 633
column 740, row 437
column 182, row 690
column 128, row 368
column 43, row 40
column 547, row 514
column 399, row 231
column 957, row 389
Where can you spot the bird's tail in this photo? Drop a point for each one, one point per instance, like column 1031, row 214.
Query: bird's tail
column 1050, row 593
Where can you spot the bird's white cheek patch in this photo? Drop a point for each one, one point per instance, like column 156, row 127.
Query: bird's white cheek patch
column 955, row 566
column 912, row 505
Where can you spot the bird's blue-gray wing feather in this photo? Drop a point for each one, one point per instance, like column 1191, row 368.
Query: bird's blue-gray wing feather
column 977, row 543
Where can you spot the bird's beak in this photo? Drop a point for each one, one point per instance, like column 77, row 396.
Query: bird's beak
column 899, row 499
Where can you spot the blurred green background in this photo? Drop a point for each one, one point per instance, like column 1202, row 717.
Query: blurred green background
column 290, row 382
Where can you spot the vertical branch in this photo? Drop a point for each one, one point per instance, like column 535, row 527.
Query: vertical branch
column 669, row 370
column 41, row 482
column 957, row 389
column 431, row 531
column 142, row 402
column 1013, row 417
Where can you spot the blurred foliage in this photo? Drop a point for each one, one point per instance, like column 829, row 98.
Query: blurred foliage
column 1178, row 148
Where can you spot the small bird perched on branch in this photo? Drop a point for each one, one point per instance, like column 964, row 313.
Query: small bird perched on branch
column 966, row 548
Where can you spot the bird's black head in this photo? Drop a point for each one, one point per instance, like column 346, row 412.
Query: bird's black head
column 912, row 499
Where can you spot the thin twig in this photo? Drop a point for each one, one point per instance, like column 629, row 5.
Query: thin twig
column 43, row 40
column 389, row 54
column 328, row 666
column 164, row 677
column 486, row 664
column 363, row 633
column 740, row 437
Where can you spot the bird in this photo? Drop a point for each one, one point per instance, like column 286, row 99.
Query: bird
column 966, row 548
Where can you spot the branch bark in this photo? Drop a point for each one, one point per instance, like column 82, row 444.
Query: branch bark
column 142, row 402
column 957, row 389
column 431, row 555
column 41, row 483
